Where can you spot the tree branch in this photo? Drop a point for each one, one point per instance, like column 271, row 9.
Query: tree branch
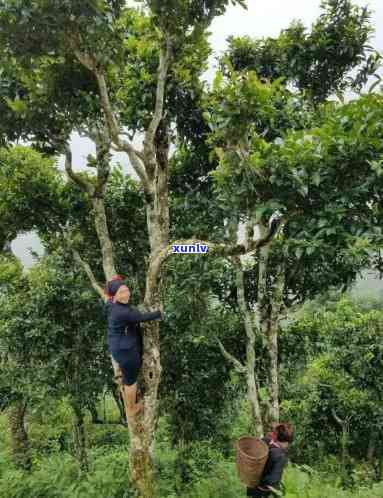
column 337, row 419
column 236, row 363
column 218, row 249
column 103, row 157
column 113, row 125
column 139, row 168
column 243, row 308
column 96, row 286
column 163, row 67
column 103, row 235
column 81, row 181
column 135, row 156
column 96, row 197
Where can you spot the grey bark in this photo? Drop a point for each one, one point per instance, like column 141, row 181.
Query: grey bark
column 270, row 305
column 104, row 238
column 277, row 290
column 151, row 167
column 251, row 375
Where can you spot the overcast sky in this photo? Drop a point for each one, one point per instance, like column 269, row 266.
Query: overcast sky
column 262, row 18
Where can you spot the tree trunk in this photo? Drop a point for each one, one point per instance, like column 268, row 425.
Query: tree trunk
column 151, row 166
column 276, row 297
column 117, row 395
column 79, row 437
column 272, row 338
column 273, row 372
column 251, row 376
column 268, row 337
column 270, row 303
column 19, row 437
column 253, row 392
column 142, row 432
column 371, row 448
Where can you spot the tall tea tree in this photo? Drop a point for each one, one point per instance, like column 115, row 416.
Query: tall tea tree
column 96, row 36
column 312, row 65
column 319, row 186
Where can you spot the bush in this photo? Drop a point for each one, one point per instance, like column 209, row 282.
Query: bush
column 303, row 482
column 51, row 477
column 57, row 476
column 222, row 482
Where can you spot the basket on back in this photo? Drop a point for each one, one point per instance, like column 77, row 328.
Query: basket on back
column 251, row 458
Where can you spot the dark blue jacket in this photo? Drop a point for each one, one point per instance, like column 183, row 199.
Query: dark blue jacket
column 123, row 325
column 272, row 474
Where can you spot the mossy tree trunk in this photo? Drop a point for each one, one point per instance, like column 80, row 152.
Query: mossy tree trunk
column 19, row 437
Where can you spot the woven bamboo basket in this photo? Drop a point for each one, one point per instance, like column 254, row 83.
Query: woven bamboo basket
column 251, row 458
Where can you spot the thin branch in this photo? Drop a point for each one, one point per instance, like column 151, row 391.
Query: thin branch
column 140, row 170
column 336, row 418
column 135, row 156
column 114, row 126
column 165, row 55
column 81, row 181
column 236, row 363
column 96, row 286
column 107, row 107
column 102, row 141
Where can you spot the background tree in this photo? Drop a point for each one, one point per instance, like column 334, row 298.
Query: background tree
column 94, row 35
column 57, row 349
column 316, row 62
column 29, row 185
column 13, row 400
column 337, row 348
column 251, row 120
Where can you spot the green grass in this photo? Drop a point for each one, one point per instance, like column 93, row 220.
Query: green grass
column 201, row 472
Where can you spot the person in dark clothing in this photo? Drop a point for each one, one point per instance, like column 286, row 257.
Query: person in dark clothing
column 278, row 442
column 125, row 339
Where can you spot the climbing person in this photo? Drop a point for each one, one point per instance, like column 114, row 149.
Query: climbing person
column 278, row 442
column 125, row 340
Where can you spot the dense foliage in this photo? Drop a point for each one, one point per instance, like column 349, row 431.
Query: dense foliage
column 266, row 154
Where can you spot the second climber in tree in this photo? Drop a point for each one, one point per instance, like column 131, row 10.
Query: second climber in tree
column 125, row 340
